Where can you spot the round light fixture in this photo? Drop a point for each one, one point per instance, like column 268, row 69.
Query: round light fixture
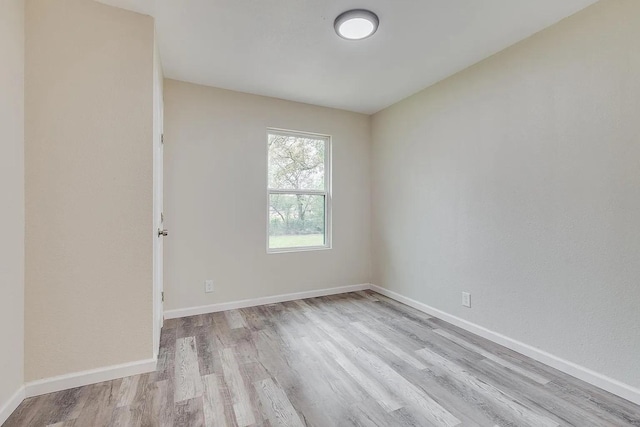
column 356, row 24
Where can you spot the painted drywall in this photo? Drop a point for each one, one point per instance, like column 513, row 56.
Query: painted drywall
column 12, row 194
column 518, row 180
column 89, row 189
column 216, row 197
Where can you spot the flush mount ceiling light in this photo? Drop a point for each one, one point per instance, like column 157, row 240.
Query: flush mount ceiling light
column 356, row 24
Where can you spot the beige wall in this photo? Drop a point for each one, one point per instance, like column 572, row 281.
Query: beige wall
column 12, row 195
column 216, row 200
column 89, row 126
column 518, row 180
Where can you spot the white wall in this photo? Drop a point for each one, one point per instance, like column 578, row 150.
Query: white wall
column 216, row 200
column 518, row 180
column 89, row 188
column 12, row 194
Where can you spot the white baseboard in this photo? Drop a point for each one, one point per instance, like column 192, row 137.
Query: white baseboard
column 611, row 385
column 10, row 405
column 93, row 376
column 64, row 382
column 213, row 308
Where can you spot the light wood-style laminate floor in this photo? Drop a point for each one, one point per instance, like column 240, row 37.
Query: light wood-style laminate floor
column 356, row 359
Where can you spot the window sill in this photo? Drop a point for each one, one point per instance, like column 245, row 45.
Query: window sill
column 301, row 249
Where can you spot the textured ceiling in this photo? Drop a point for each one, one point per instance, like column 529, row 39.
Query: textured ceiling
column 288, row 48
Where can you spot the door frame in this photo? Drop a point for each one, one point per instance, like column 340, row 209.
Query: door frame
column 158, row 199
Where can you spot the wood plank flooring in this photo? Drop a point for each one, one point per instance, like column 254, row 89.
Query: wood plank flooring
column 356, row 359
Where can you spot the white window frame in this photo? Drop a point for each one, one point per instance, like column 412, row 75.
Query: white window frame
column 326, row 192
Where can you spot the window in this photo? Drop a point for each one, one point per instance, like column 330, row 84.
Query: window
column 299, row 212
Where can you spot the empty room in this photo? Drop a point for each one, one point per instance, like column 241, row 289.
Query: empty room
column 320, row 213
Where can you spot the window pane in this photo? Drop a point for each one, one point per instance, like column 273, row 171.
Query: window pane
column 296, row 162
column 296, row 221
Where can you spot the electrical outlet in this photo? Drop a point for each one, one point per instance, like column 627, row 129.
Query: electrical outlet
column 208, row 286
column 466, row 299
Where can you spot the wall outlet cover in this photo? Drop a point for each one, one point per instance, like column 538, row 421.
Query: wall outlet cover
column 208, row 286
column 466, row 299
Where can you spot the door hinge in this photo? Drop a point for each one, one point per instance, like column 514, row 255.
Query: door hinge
column 162, row 138
column 162, row 295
